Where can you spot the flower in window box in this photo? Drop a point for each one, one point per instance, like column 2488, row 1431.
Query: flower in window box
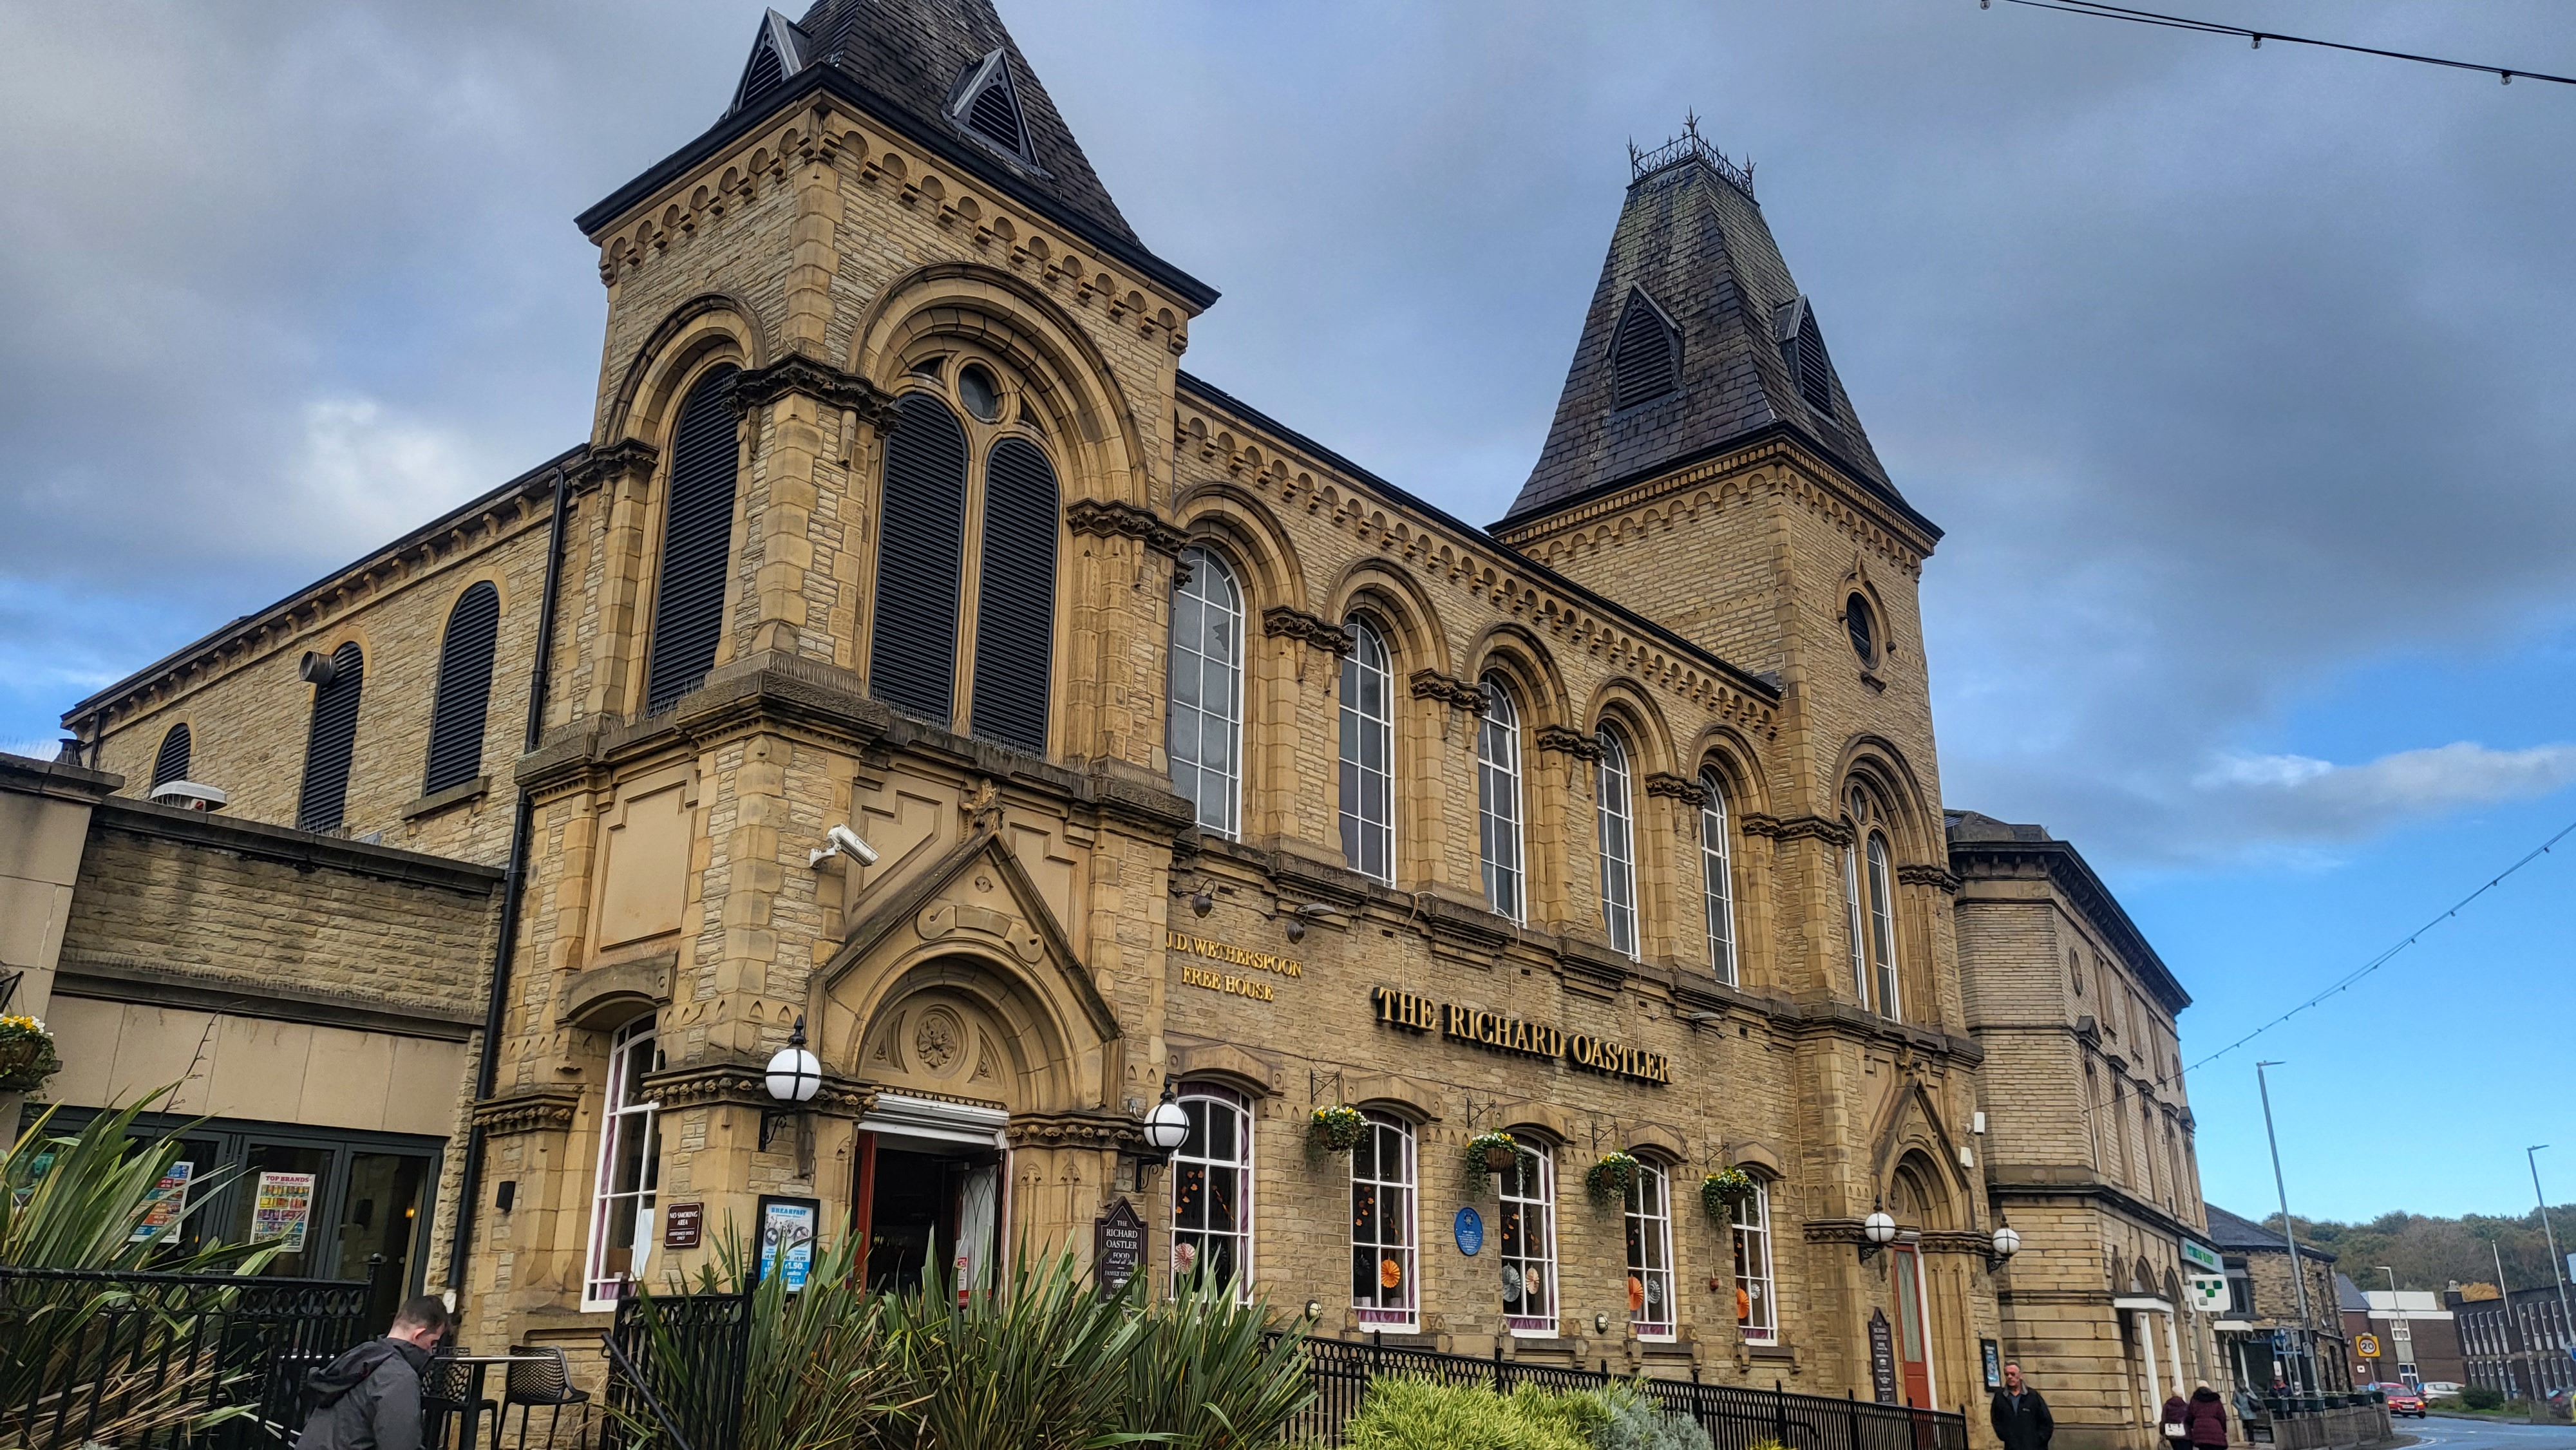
column 1338, row 1128
column 1610, row 1178
column 27, row 1054
column 1721, row 1191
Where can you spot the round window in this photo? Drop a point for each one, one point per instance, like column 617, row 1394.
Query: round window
column 977, row 390
column 1856, row 618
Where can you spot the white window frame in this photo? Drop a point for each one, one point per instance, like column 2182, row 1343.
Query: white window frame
column 1760, row 1321
column 1363, row 785
column 1211, row 1100
column 1525, row 1263
column 1498, row 804
column 1219, row 809
column 1398, row 1213
column 623, row 1115
column 1882, row 929
column 1648, row 1220
column 1616, row 812
column 1717, row 877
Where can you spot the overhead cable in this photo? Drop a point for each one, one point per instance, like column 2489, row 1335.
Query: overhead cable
column 2506, row 74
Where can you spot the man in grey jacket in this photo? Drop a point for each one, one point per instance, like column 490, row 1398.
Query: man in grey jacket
column 369, row 1398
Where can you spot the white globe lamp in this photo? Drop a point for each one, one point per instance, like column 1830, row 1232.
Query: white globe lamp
column 795, row 1075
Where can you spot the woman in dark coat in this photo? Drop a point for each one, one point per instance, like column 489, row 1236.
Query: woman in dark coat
column 2177, row 1411
column 2205, row 1421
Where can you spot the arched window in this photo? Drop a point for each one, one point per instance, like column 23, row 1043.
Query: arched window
column 331, row 741
column 1015, row 597
column 172, row 761
column 697, row 543
column 1869, row 906
column 464, row 689
column 1368, row 754
column 1649, row 1221
column 1384, row 1265
column 921, row 539
column 1757, row 1312
column 1717, row 878
column 630, row 1156
column 1618, row 844
column 1526, row 1230
column 1212, row 1190
column 1204, row 727
column 1498, row 803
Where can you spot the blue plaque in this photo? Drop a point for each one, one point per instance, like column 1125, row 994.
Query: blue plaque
column 1470, row 1228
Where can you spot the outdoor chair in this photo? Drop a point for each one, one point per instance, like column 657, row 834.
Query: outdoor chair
column 446, row 1392
column 538, row 1376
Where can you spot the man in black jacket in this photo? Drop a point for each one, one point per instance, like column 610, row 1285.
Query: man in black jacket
column 2021, row 1416
column 369, row 1398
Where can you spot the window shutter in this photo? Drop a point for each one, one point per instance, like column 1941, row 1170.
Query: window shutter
column 1645, row 357
column 464, row 689
column 1815, row 374
column 912, row 645
column 766, row 70
column 330, row 744
column 172, row 763
column 697, row 544
column 1015, row 605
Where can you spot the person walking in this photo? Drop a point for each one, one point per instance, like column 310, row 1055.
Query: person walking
column 2177, row 1417
column 2021, row 1417
column 2205, row 1421
column 369, row 1398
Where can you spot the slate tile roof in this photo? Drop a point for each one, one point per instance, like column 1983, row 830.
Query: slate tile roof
column 2243, row 1235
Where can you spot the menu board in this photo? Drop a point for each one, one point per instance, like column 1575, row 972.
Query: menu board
column 787, row 1228
column 1117, row 1246
column 281, row 1207
column 1882, row 1357
column 161, row 1207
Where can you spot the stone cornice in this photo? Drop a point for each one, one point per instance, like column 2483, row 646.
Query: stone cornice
column 1281, row 622
column 1108, row 518
column 286, row 846
column 1081, row 1128
column 1927, row 875
column 1678, row 787
column 1457, row 694
column 625, row 458
column 2066, row 869
column 822, row 382
column 1798, row 828
column 538, row 1110
column 746, row 1085
column 1562, row 741
column 105, row 977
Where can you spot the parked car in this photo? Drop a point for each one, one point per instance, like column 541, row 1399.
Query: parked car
column 2401, row 1400
column 2442, row 1389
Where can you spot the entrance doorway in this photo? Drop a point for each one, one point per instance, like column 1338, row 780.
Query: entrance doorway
column 931, row 1193
column 1913, row 1342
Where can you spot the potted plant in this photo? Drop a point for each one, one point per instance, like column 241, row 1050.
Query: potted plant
column 1338, row 1128
column 27, row 1054
column 1610, row 1178
column 1488, row 1153
column 1720, row 1192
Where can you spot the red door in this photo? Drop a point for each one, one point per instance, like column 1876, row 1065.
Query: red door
column 1913, row 1344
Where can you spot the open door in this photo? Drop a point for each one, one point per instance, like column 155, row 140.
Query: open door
column 1913, row 1342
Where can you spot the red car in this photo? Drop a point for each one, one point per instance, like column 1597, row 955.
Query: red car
column 2402, row 1401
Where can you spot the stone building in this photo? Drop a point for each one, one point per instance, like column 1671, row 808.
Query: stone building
column 1189, row 757
column 2087, row 1135
column 2518, row 1342
column 2400, row 1336
column 2266, row 1335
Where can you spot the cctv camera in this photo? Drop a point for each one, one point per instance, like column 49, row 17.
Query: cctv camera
column 842, row 841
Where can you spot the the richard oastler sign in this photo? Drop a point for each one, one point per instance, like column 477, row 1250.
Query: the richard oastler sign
column 1497, row 1033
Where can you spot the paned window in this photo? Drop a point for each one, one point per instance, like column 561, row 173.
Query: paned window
column 464, row 689
column 1212, row 1191
column 1383, row 1259
column 1717, row 878
column 1650, row 1253
column 1757, row 1312
column 1869, row 903
column 172, row 761
column 1498, row 803
column 697, row 543
column 1618, row 845
column 1205, row 723
column 1368, row 754
column 331, row 742
column 921, row 543
column 630, row 1157
column 1527, row 1232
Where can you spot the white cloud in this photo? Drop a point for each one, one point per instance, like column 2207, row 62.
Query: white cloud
column 367, row 474
column 2296, row 800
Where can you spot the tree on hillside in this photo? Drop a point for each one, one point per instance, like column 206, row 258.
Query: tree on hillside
column 2430, row 1253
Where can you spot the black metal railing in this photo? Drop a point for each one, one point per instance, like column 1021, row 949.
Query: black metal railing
column 1736, row 1417
column 146, row 1360
column 677, row 1365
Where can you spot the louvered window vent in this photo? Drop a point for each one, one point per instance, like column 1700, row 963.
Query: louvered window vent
column 1802, row 347
column 985, row 103
column 172, row 763
column 1645, row 353
column 697, row 544
column 1015, row 600
column 912, row 645
column 331, row 742
column 777, row 52
column 464, row 689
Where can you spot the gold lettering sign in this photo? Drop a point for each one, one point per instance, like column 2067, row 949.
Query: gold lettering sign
column 1495, row 1032
column 1258, row 991
column 1232, row 956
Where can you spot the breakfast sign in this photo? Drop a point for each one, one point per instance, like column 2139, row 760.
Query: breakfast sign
column 1518, row 1036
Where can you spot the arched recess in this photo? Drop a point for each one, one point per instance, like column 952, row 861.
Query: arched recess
column 1916, row 828
column 674, row 339
column 1520, row 656
column 1231, row 518
column 1909, row 1127
column 1623, row 701
column 1396, row 601
column 1730, row 755
column 1918, row 1195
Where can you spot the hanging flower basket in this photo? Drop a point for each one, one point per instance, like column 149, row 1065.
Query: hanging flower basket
column 27, row 1055
column 1611, row 1177
column 1720, row 1192
column 1338, row 1128
column 1489, row 1153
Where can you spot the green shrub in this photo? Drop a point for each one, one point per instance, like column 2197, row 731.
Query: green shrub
column 2482, row 1397
column 1636, row 1422
column 1404, row 1413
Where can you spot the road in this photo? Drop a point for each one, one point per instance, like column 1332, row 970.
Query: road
column 2450, row 1434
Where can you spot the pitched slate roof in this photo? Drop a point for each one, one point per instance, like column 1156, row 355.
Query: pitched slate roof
column 2243, row 1235
column 1691, row 238
column 913, row 52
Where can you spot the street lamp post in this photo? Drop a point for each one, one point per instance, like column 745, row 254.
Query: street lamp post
column 2298, row 1276
column 2504, row 1291
column 2557, row 1266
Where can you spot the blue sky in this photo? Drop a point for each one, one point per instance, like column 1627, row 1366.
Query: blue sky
column 2239, row 379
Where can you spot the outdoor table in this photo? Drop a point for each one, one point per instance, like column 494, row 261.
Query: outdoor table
column 482, row 1364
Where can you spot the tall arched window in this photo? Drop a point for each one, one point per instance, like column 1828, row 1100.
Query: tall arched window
column 1757, row 1316
column 1384, row 1264
column 1498, row 802
column 1869, row 907
column 1212, row 1190
column 1526, row 1230
column 630, row 1159
column 1717, row 878
column 1015, row 598
column 1204, row 727
column 921, row 540
column 331, row 742
column 1618, row 844
column 697, row 543
column 1368, row 754
column 464, row 689
column 1649, row 1222
column 172, row 761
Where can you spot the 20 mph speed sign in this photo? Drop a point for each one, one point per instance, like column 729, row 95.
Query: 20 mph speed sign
column 2366, row 1345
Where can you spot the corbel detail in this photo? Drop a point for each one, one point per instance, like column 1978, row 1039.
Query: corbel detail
column 1679, row 787
column 625, row 458
column 1939, row 877
column 545, row 1110
column 1563, row 741
column 742, row 1085
column 1455, row 693
column 1281, row 622
column 1108, row 519
column 1095, row 1128
column 822, row 382
column 1798, row 828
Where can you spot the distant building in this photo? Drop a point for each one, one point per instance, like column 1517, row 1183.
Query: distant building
column 2519, row 1343
column 2399, row 1337
column 2264, row 1333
